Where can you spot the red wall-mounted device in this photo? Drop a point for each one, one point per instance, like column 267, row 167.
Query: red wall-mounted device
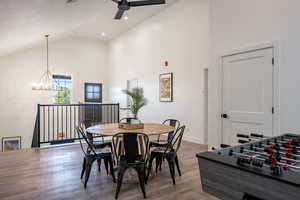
column 166, row 63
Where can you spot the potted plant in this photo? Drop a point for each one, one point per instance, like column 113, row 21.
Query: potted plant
column 137, row 100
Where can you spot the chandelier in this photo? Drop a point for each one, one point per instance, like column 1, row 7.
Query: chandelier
column 45, row 82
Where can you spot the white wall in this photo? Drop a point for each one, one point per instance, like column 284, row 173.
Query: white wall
column 181, row 35
column 237, row 24
column 84, row 59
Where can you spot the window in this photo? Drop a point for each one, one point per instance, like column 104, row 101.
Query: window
column 93, row 92
column 62, row 86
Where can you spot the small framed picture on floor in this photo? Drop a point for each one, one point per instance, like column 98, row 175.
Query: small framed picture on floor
column 166, row 87
column 11, row 143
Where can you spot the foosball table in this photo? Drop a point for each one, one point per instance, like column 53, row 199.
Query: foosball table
column 259, row 168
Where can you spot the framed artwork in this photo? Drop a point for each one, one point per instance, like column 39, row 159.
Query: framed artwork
column 11, row 143
column 166, row 87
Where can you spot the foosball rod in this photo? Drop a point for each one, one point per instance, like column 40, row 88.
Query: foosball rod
column 284, row 148
column 273, row 142
column 262, row 152
column 283, row 153
column 260, row 136
column 264, row 159
column 267, row 155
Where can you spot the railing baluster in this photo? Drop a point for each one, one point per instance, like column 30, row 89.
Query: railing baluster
column 48, row 124
column 79, row 113
column 44, row 127
column 39, row 125
column 114, row 114
column 74, row 121
column 62, row 120
column 53, row 123
column 93, row 108
column 70, row 121
column 107, row 115
column 111, row 114
column 66, row 122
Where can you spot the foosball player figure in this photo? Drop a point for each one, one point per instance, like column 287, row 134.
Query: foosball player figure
column 274, row 166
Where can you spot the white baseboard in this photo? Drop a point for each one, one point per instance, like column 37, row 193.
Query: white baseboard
column 192, row 139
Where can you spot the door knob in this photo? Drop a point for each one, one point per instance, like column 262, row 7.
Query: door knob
column 225, row 116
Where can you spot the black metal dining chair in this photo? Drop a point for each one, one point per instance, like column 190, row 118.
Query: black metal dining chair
column 169, row 153
column 131, row 158
column 91, row 155
column 163, row 143
column 97, row 144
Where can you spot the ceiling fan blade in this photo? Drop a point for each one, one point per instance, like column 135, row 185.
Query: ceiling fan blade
column 116, row 1
column 119, row 14
column 146, row 3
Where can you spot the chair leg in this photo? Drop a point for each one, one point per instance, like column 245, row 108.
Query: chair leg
column 120, row 180
column 177, row 165
column 112, row 152
column 99, row 164
column 172, row 169
column 162, row 160
column 83, row 168
column 150, row 166
column 106, row 164
column 145, row 175
column 141, row 175
column 157, row 163
column 112, row 168
column 89, row 163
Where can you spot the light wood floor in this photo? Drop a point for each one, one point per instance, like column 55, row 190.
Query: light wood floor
column 54, row 173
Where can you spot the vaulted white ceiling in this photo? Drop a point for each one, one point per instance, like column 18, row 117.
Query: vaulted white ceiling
column 24, row 23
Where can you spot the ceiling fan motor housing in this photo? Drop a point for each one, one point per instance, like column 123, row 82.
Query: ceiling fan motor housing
column 123, row 5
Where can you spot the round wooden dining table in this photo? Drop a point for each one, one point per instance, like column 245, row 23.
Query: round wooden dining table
column 113, row 129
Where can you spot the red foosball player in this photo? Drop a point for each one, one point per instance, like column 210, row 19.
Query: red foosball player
column 274, row 166
column 270, row 150
column 288, row 145
column 289, row 153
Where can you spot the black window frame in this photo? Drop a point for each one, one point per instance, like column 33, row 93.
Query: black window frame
column 86, row 99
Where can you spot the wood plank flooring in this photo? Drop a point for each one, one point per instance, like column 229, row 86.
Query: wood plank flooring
column 54, row 174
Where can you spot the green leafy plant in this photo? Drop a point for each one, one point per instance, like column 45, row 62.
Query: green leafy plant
column 63, row 96
column 137, row 100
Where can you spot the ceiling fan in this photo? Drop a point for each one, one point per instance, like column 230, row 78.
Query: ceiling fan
column 124, row 5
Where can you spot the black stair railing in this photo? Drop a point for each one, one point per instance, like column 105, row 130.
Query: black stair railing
column 56, row 123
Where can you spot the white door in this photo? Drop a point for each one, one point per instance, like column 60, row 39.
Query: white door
column 247, row 94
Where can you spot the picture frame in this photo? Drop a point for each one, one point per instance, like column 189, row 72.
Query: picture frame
column 166, row 87
column 11, row 143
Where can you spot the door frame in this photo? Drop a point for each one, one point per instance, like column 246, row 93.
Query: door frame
column 276, row 83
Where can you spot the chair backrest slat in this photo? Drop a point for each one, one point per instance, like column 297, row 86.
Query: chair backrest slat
column 175, row 143
column 82, row 135
column 131, row 144
column 172, row 122
column 131, row 148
